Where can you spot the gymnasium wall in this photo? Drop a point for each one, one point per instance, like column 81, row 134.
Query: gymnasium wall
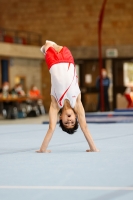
column 70, row 22
column 29, row 69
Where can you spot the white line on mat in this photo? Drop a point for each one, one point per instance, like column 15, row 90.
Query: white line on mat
column 65, row 188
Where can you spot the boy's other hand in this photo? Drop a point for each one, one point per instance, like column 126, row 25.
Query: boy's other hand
column 90, row 150
column 40, row 151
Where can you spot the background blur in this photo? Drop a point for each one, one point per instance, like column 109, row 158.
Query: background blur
column 25, row 25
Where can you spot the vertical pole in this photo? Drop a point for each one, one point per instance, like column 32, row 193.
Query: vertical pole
column 101, row 15
column 4, row 71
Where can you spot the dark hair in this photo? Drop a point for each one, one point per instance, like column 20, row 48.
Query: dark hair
column 69, row 130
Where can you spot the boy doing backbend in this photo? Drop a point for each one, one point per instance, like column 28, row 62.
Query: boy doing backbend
column 65, row 95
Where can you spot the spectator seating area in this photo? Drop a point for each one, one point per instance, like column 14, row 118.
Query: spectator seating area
column 21, row 107
column 20, row 37
column 15, row 103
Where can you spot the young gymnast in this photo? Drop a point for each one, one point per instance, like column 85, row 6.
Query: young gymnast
column 65, row 95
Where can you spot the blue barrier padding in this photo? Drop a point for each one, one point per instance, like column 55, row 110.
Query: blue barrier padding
column 124, row 110
column 109, row 114
column 120, row 119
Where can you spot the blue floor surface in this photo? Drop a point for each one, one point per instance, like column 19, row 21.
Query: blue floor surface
column 68, row 172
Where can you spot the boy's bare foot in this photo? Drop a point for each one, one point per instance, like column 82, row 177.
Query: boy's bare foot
column 46, row 151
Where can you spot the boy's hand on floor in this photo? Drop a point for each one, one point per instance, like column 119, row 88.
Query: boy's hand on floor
column 46, row 151
column 90, row 150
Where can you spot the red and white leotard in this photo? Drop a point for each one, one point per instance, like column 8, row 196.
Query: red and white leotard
column 64, row 79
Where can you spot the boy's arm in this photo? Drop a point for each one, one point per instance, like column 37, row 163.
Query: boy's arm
column 53, row 112
column 82, row 121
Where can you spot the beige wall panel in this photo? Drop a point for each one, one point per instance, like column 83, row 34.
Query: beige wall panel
column 28, row 68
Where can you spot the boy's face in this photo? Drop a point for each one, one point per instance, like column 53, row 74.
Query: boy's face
column 68, row 118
